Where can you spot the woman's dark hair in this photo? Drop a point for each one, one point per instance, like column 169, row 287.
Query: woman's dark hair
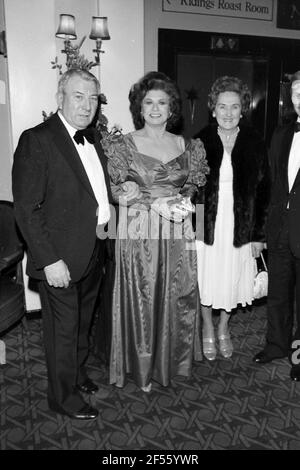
column 234, row 84
column 154, row 81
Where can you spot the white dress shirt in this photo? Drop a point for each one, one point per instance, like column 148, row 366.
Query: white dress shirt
column 94, row 171
column 294, row 159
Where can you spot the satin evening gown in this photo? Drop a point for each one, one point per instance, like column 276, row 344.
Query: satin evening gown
column 155, row 306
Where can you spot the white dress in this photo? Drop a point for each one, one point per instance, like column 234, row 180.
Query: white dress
column 225, row 273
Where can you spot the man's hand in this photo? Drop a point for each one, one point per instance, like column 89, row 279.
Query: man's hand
column 256, row 248
column 57, row 274
column 131, row 190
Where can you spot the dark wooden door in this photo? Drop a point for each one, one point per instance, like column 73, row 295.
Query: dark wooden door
column 195, row 59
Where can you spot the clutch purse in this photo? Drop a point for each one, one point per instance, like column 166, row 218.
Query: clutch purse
column 260, row 287
column 183, row 204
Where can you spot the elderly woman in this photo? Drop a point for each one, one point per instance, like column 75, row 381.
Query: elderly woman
column 236, row 200
column 155, row 287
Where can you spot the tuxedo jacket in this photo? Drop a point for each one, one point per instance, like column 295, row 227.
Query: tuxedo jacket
column 55, row 206
column 279, row 217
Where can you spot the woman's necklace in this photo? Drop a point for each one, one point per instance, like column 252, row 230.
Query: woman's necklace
column 227, row 139
column 228, row 136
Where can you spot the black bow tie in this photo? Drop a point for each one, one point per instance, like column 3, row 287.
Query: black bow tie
column 87, row 133
column 297, row 126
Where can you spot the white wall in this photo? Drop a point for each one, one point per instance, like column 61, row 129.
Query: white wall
column 156, row 18
column 5, row 127
column 30, row 47
column 123, row 60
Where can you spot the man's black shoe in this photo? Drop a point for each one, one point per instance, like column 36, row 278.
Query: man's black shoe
column 295, row 373
column 86, row 412
column 88, row 387
column 263, row 358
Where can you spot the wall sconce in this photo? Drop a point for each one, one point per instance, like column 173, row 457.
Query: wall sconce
column 66, row 31
column 100, row 33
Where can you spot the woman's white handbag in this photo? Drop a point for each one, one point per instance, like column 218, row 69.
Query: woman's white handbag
column 260, row 288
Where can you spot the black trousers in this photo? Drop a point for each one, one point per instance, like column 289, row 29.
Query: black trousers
column 103, row 327
column 283, row 290
column 67, row 315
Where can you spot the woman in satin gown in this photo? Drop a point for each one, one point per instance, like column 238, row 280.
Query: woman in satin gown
column 155, row 331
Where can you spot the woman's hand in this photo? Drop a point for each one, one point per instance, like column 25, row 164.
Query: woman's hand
column 131, row 190
column 185, row 204
column 256, row 248
column 170, row 211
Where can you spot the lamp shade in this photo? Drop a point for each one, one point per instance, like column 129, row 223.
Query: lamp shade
column 99, row 28
column 66, row 27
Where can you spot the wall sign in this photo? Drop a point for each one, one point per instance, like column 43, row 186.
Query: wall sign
column 249, row 9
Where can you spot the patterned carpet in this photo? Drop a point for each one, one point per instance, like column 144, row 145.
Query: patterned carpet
column 228, row 404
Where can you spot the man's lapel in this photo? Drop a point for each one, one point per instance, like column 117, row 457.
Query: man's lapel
column 284, row 150
column 297, row 179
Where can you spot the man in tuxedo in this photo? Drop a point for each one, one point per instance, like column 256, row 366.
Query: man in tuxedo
column 283, row 241
column 61, row 192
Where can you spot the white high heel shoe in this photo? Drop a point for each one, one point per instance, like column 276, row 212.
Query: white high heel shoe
column 147, row 388
column 209, row 348
column 225, row 345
